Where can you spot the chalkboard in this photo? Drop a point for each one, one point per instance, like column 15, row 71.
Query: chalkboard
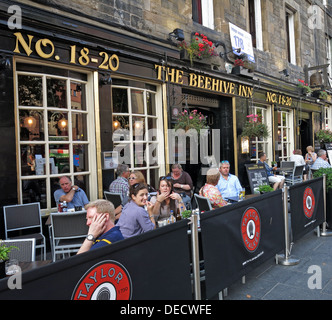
column 257, row 176
column 328, row 147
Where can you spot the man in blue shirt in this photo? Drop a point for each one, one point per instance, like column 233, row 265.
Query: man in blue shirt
column 277, row 180
column 229, row 184
column 321, row 161
column 73, row 195
column 102, row 231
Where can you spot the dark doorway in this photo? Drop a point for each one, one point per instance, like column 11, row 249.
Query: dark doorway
column 305, row 135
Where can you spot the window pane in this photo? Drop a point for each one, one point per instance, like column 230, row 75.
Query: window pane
column 154, row 178
column 139, row 152
column 30, row 91
column 138, row 128
column 34, row 190
column 31, row 125
column 58, row 126
column 78, row 95
column 153, row 154
column 124, row 152
column 120, row 100
column 56, row 93
column 121, row 128
column 82, row 182
column 151, row 103
column 60, row 154
column 80, row 157
column 137, row 101
column 79, row 126
column 32, row 160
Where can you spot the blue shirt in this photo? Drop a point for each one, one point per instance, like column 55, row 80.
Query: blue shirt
column 109, row 237
column 269, row 170
column 230, row 187
column 134, row 220
column 320, row 163
column 79, row 200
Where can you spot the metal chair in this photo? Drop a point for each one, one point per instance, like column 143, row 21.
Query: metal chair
column 115, row 198
column 287, row 167
column 25, row 218
column 203, row 203
column 296, row 176
column 68, row 232
column 25, row 251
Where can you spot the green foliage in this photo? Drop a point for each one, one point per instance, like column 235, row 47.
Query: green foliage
column 265, row 188
column 186, row 214
column 5, row 250
column 328, row 173
column 192, row 120
column 324, row 135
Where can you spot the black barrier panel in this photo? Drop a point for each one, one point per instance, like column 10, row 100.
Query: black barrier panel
column 306, row 207
column 152, row 266
column 238, row 238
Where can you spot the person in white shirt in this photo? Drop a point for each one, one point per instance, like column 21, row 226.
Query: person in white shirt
column 299, row 161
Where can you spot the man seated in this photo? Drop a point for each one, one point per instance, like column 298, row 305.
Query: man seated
column 228, row 184
column 277, row 180
column 321, row 161
column 102, row 231
column 121, row 184
column 73, row 195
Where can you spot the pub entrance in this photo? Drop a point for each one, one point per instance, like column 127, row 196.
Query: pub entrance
column 219, row 113
column 305, row 128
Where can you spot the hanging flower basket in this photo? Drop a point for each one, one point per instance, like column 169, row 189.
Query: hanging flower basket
column 255, row 128
column 199, row 48
column 191, row 120
column 304, row 88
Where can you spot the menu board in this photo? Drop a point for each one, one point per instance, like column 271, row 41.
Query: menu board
column 328, row 147
column 257, row 176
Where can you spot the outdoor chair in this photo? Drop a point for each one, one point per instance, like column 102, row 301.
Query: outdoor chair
column 115, row 198
column 25, row 250
column 68, row 232
column 203, row 203
column 296, row 176
column 23, row 221
column 287, row 167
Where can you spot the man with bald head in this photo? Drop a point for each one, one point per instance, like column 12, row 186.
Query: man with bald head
column 73, row 195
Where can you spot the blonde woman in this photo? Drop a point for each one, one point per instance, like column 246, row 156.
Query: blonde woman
column 310, row 156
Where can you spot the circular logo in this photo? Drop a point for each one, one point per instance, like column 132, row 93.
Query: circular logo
column 251, row 229
column 107, row 280
column 308, row 202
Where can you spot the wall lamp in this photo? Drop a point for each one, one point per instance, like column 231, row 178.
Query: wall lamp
column 5, row 63
column 285, row 72
column 105, row 80
column 177, row 34
column 224, row 55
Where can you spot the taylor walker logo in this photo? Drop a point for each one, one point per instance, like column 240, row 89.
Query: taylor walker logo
column 107, row 280
column 308, row 202
column 251, row 229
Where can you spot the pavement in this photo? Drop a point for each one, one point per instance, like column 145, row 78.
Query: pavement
column 310, row 279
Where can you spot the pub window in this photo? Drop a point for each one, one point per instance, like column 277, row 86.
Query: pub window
column 290, row 34
column 53, row 134
column 327, row 118
column 283, row 139
column 255, row 23
column 137, row 130
column 259, row 144
column 329, row 55
column 203, row 12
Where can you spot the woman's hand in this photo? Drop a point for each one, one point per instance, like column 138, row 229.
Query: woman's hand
column 175, row 196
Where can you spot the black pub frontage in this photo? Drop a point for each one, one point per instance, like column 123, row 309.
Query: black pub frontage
column 78, row 98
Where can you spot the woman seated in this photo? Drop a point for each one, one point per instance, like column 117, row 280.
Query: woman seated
column 166, row 200
column 135, row 219
column 210, row 191
column 138, row 177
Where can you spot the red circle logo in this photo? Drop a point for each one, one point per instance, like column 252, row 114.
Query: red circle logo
column 251, row 229
column 107, row 280
column 308, row 202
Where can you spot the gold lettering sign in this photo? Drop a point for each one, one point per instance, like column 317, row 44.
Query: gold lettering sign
column 45, row 49
column 176, row 76
column 272, row 97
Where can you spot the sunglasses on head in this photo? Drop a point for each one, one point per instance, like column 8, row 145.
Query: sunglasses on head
column 165, row 178
column 225, row 162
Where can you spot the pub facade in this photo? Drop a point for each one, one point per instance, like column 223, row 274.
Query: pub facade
column 80, row 95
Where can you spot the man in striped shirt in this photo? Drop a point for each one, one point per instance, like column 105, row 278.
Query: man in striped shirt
column 121, row 185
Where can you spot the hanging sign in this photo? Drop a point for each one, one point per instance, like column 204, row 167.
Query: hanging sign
column 241, row 39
